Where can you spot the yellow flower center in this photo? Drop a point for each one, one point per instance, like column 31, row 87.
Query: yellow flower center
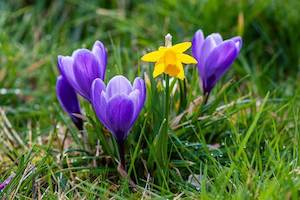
column 170, row 61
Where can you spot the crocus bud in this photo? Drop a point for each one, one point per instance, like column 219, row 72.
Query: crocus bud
column 214, row 56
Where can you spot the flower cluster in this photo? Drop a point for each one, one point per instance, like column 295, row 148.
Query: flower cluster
column 118, row 103
column 117, row 106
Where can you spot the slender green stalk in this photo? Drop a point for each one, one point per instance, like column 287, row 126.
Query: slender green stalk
column 168, row 43
column 164, row 160
column 166, row 125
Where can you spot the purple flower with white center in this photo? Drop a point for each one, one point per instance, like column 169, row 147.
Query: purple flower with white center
column 83, row 67
column 118, row 105
column 68, row 100
column 214, row 56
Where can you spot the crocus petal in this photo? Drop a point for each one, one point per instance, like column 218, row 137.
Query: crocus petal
column 238, row 42
column 6, row 182
column 118, row 85
column 219, row 61
column 152, row 56
column 217, row 38
column 208, row 45
column 86, row 69
column 138, row 96
column 181, row 47
column 99, row 100
column 197, row 42
column 139, row 85
column 65, row 66
column 97, row 87
column 187, row 59
column 119, row 113
column 68, row 100
column 101, row 55
column 137, row 101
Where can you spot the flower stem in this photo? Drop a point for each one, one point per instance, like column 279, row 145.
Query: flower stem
column 121, row 146
column 84, row 139
column 78, row 123
column 205, row 98
column 166, row 126
column 168, row 43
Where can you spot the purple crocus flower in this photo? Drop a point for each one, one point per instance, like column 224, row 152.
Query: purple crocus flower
column 68, row 100
column 118, row 105
column 214, row 56
column 6, row 182
column 83, row 67
column 77, row 74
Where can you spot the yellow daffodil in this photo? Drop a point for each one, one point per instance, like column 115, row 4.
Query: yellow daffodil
column 169, row 60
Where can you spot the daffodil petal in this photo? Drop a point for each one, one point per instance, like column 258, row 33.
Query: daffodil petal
column 181, row 47
column 181, row 72
column 158, row 69
column 152, row 56
column 187, row 59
